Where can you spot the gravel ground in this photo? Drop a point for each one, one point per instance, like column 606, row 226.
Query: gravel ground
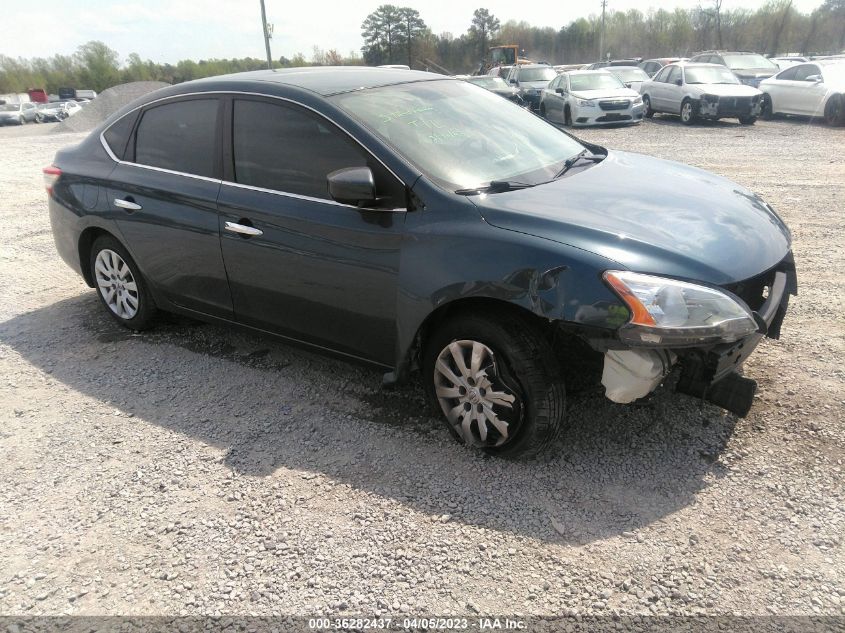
column 200, row 470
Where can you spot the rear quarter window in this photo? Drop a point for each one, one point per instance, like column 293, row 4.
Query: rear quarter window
column 117, row 135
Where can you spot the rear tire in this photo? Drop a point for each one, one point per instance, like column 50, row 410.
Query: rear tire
column 120, row 285
column 748, row 120
column 834, row 111
column 647, row 111
column 497, row 373
column 688, row 112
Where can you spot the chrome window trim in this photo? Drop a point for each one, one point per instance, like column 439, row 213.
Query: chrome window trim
column 237, row 184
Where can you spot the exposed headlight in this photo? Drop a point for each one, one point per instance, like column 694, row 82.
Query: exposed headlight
column 710, row 97
column 586, row 103
column 673, row 313
column 638, row 100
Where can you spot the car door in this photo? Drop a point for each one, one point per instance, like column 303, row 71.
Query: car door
column 673, row 94
column 658, row 93
column 553, row 99
column 809, row 92
column 780, row 90
column 163, row 198
column 308, row 267
column 29, row 111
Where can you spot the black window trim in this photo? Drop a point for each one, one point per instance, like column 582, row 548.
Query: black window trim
column 226, row 107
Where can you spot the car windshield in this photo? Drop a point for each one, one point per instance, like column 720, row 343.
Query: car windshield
column 748, row 61
column 536, row 74
column 710, row 75
column 595, row 81
column 459, row 136
column 629, row 74
column 9, row 107
column 491, row 83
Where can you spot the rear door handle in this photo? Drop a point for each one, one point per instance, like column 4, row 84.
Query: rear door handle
column 243, row 229
column 127, row 204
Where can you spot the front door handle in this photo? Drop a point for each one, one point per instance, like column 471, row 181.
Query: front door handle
column 243, row 229
column 127, row 204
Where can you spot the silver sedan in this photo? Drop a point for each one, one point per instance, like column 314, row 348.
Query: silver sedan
column 700, row 91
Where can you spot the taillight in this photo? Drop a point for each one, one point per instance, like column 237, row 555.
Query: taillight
column 51, row 175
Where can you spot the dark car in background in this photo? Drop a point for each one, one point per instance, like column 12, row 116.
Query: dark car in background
column 497, row 86
column 415, row 222
column 750, row 68
column 530, row 80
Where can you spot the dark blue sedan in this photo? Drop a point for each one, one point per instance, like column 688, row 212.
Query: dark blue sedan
column 423, row 224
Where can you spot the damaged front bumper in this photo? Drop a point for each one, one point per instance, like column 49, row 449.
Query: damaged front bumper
column 707, row 372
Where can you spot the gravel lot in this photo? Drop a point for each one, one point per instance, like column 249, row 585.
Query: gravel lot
column 201, row 470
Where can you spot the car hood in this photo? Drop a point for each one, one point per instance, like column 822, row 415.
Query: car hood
column 726, row 90
column 10, row 113
column 606, row 93
column 649, row 215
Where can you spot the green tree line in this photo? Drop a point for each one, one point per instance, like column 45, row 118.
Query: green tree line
column 399, row 35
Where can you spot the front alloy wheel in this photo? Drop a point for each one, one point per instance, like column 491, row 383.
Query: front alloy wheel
column 687, row 113
column 496, row 382
column 481, row 408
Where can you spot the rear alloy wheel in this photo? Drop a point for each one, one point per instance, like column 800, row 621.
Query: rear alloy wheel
column 687, row 112
column 120, row 286
column 496, row 384
column 766, row 111
column 834, row 111
column 647, row 111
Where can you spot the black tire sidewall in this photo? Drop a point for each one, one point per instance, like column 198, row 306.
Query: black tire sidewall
column 143, row 319
column 527, row 362
column 649, row 112
column 831, row 119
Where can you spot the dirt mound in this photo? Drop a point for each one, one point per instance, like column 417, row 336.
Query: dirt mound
column 106, row 103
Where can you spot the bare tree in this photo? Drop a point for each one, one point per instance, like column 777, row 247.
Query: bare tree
column 484, row 26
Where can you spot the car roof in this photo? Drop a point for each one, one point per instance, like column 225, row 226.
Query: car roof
column 612, row 68
column 533, row 66
column 328, row 80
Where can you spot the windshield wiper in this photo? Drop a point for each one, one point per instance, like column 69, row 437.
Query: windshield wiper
column 570, row 162
column 495, row 186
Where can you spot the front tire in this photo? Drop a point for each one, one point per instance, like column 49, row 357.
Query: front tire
column 834, row 111
column 496, row 384
column 647, row 111
column 687, row 112
column 120, row 285
column 567, row 116
column 748, row 120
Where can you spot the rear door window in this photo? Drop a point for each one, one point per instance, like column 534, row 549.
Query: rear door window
column 180, row 136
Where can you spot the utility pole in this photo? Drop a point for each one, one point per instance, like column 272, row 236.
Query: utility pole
column 601, row 35
column 266, row 35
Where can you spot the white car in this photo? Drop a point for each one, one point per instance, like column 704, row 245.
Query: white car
column 814, row 89
column 701, row 91
column 590, row 97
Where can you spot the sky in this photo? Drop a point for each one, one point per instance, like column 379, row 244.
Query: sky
column 170, row 30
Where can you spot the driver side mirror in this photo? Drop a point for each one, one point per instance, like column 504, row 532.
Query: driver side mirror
column 352, row 185
column 513, row 81
column 817, row 79
column 559, row 91
column 679, row 82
